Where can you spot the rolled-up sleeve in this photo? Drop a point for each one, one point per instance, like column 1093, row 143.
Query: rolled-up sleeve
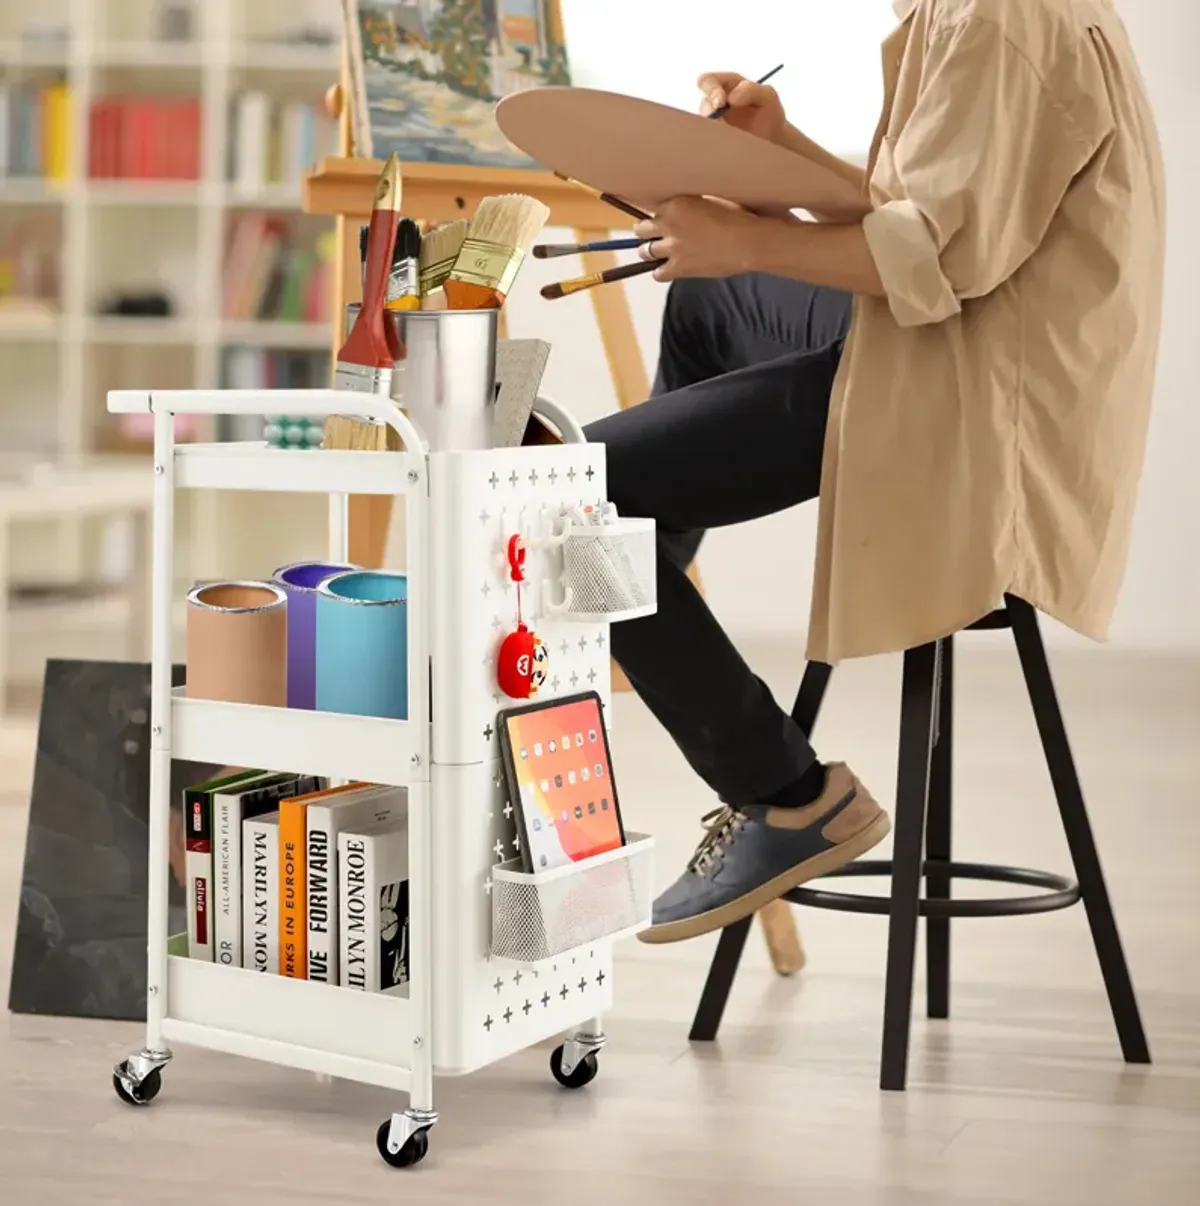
column 967, row 190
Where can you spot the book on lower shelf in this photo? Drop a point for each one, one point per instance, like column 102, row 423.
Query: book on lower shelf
column 230, row 808
column 373, row 887
column 325, row 821
column 260, row 893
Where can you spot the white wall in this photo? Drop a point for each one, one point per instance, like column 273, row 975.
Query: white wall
column 758, row 576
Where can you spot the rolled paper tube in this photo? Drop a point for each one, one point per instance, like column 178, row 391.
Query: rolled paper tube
column 362, row 644
column 237, row 643
column 299, row 582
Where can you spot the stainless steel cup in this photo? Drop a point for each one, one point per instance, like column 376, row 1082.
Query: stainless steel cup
column 446, row 380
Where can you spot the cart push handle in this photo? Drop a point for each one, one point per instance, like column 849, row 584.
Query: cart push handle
column 315, row 403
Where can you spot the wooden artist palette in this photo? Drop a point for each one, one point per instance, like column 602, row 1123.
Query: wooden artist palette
column 647, row 153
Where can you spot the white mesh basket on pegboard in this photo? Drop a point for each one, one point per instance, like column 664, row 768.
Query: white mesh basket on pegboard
column 608, row 571
column 538, row 917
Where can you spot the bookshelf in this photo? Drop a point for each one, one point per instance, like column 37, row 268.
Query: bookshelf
column 94, row 230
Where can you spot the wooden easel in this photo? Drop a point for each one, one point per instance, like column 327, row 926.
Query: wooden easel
column 344, row 187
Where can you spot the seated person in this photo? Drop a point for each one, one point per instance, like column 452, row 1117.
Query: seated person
column 963, row 378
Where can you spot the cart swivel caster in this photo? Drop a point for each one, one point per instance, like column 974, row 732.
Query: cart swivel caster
column 138, row 1079
column 403, row 1139
column 574, row 1064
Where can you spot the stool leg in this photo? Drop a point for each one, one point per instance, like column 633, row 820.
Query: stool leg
column 937, row 843
column 724, row 966
column 720, row 980
column 912, row 795
column 1080, row 839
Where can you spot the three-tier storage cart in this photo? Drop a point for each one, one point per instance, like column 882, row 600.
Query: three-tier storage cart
column 499, row 959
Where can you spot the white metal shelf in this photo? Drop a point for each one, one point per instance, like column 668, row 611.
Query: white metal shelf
column 361, row 1036
column 322, row 743
column 247, row 465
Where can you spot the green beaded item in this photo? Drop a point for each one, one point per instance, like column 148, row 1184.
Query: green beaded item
column 292, row 431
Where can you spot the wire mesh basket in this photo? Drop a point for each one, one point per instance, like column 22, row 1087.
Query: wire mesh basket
column 537, row 917
column 608, row 571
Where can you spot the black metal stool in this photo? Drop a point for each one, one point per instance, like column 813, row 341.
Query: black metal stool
column 922, row 824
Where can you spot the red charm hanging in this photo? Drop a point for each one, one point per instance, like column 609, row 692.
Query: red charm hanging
column 523, row 660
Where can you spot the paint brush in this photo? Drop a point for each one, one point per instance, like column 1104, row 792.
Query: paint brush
column 439, row 250
column 364, row 363
column 500, row 233
column 761, row 80
column 607, row 198
column 552, row 251
column 579, row 283
column 403, row 289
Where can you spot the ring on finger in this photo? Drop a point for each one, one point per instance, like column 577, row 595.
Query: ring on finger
column 648, row 250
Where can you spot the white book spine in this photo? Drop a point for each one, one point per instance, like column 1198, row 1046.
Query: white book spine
column 260, row 891
column 374, row 874
column 227, row 880
column 355, row 911
column 324, row 822
column 253, row 115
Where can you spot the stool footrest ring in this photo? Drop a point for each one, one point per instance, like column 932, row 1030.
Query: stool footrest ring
column 1060, row 892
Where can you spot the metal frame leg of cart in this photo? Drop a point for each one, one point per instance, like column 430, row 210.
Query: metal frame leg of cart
column 138, row 1078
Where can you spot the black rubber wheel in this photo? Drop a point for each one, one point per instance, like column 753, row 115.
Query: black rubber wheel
column 582, row 1074
column 144, row 1094
column 413, row 1152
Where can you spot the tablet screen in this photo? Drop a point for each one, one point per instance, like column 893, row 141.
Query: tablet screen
column 561, row 773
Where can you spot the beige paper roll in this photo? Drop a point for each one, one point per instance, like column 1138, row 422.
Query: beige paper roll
column 237, row 643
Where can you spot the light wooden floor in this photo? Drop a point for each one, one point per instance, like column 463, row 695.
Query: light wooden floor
column 1021, row 1098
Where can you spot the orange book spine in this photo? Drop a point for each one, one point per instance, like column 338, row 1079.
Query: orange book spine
column 293, row 880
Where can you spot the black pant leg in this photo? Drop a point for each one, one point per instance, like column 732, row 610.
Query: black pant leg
column 722, row 451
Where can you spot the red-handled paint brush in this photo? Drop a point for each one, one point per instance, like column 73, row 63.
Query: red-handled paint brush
column 365, row 361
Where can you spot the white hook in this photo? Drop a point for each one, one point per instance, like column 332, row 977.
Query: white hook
column 548, row 603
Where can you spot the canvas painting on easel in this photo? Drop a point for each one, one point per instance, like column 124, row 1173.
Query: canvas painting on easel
column 426, row 74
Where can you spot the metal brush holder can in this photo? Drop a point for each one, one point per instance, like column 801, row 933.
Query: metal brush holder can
column 445, row 380
column 237, row 643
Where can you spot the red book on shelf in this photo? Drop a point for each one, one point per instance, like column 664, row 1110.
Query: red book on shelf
column 96, row 140
column 190, row 140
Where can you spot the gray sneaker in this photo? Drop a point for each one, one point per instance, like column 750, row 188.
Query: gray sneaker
column 753, row 855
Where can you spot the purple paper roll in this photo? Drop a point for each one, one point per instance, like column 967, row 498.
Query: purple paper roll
column 301, row 581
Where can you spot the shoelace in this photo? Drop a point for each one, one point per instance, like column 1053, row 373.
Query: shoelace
column 725, row 822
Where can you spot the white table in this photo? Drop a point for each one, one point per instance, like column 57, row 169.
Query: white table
column 86, row 490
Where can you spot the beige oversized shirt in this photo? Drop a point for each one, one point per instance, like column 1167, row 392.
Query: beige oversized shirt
column 988, row 426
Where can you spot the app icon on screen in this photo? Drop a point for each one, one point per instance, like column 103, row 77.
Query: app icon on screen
column 566, row 816
column 578, row 812
column 604, row 805
column 558, row 780
column 545, row 785
column 543, row 860
column 592, row 808
column 537, row 749
column 599, row 771
column 585, row 774
column 524, row 754
column 566, row 741
column 553, row 747
column 571, row 778
column 592, row 735
column 537, row 823
column 579, row 740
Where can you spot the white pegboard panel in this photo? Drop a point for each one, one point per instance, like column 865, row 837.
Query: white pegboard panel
column 484, row 1011
column 478, row 501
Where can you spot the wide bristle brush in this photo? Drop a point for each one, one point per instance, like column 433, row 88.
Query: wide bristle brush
column 365, row 360
column 498, row 238
column 439, row 250
column 404, row 291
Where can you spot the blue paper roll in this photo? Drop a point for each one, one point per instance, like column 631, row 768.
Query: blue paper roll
column 362, row 644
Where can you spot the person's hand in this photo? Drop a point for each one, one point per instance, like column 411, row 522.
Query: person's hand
column 755, row 108
column 697, row 236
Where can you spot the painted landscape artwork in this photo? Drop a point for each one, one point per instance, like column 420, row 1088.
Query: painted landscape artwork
column 431, row 71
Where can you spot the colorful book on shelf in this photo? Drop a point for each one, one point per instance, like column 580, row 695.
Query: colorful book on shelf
column 35, row 130
column 198, row 859
column 370, row 805
column 374, row 922
column 230, row 807
column 260, row 893
column 144, row 138
column 293, row 884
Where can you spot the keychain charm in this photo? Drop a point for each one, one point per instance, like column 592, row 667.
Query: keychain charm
column 523, row 660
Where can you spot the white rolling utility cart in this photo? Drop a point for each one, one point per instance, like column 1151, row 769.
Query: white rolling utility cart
column 499, row 959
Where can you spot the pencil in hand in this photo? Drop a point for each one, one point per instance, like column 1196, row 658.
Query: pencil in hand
column 579, row 283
